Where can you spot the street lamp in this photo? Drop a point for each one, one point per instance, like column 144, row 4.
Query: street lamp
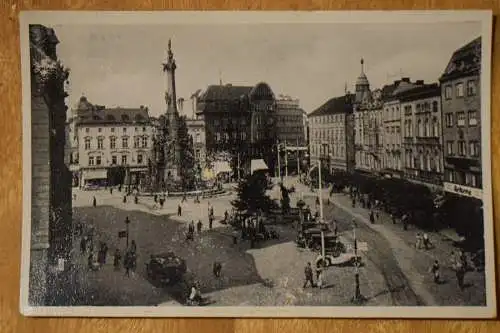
column 321, row 212
column 127, row 222
column 358, row 298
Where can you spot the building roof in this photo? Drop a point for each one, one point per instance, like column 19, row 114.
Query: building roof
column 224, row 92
column 464, row 62
column 420, row 92
column 116, row 115
column 334, row 105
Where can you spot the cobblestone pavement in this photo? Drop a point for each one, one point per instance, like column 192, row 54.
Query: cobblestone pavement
column 270, row 274
column 414, row 263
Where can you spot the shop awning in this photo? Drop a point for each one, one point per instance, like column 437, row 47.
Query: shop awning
column 95, row 174
column 222, row 166
column 256, row 165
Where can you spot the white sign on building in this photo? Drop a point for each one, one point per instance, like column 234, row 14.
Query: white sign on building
column 464, row 190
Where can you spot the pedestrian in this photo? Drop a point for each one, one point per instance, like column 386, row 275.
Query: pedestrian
column 226, row 216
column 155, row 198
column 162, row 201
column 317, row 201
column 418, row 242
column 83, row 244
column 127, row 263
column 179, row 210
column 460, row 274
column 217, row 268
column 335, row 228
column 319, row 275
column 353, row 202
column 308, row 276
column 393, row 218
column 372, row 217
column 117, row 260
column 199, row 225
column 104, row 252
column 133, row 247
column 426, row 241
column 125, row 199
column 136, row 199
column 435, row 271
column 94, row 201
column 210, row 222
column 184, row 198
column 111, row 190
column 90, row 261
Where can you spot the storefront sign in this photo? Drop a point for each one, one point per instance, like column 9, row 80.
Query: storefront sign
column 464, row 190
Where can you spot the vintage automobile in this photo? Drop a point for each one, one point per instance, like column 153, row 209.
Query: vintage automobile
column 165, row 268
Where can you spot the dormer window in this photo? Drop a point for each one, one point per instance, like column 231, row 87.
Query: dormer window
column 110, row 117
column 125, row 117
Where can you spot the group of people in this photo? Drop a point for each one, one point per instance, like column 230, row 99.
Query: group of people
column 309, row 276
column 459, row 264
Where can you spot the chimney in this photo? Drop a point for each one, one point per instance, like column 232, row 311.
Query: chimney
column 405, row 79
column 419, row 82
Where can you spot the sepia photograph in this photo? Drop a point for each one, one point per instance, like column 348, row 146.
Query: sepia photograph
column 257, row 164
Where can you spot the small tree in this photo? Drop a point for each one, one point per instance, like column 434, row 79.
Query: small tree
column 252, row 194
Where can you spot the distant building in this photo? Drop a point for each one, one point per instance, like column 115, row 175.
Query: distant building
column 110, row 140
column 240, row 122
column 196, row 129
column 393, row 157
column 330, row 130
column 461, row 108
column 289, row 121
column 367, row 126
column 422, row 140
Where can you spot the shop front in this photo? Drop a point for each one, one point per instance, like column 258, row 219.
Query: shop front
column 94, row 178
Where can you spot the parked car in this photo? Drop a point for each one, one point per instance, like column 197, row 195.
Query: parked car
column 166, row 268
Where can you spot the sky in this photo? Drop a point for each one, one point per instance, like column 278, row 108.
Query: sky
column 121, row 65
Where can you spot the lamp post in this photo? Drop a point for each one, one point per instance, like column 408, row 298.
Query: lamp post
column 127, row 222
column 279, row 160
column 321, row 212
column 286, row 162
column 298, row 159
column 357, row 298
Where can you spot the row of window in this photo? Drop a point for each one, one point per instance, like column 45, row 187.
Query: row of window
column 472, row 119
column 462, row 178
column 421, row 107
column 139, row 142
column 124, row 129
column 329, row 134
column 97, row 160
column 422, row 129
column 459, row 89
column 225, row 136
column 327, row 119
column 463, row 149
column 335, row 150
column 425, row 162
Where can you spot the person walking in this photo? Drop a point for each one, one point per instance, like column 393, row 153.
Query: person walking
column 308, row 276
column 127, row 263
column 435, row 271
column 372, row 217
column 319, row 275
column 199, row 225
column 426, row 241
column 210, row 222
column 217, row 269
column 94, row 202
column 83, row 245
column 179, row 210
column 117, row 258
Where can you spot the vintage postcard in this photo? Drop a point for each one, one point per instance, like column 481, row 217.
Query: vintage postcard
column 257, row 164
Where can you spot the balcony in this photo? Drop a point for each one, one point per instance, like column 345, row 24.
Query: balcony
column 427, row 140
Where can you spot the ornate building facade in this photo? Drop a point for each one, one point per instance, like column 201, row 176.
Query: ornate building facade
column 422, row 139
column 461, row 108
column 51, row 210
column 331, row 134
column 196, row 129
column 240, row 122
column 110, row 139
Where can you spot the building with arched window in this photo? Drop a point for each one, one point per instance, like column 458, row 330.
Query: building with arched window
column 422, row 139
column 239, row 123
column 109, row 145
